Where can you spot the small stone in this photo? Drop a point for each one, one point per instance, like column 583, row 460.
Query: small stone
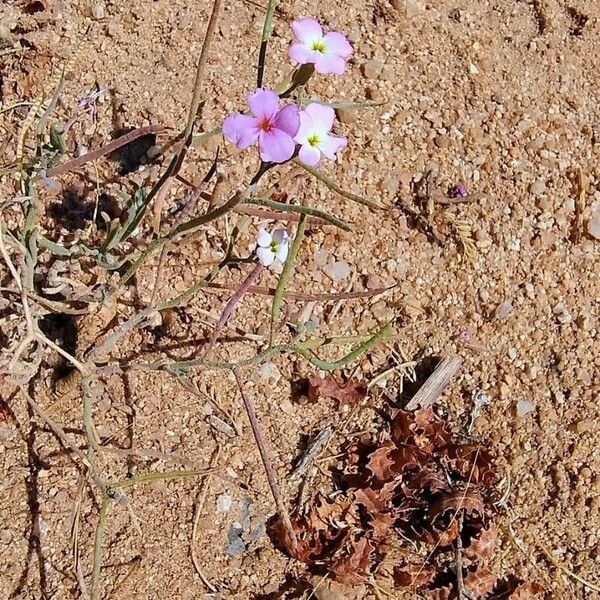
column 269, row 372
column 98, row 10
column 441, row 141
column 346, row 115
column 321, row 257
column 593, row 226
column 524, row 407
column 583, row 426
column 372, row 69
column 338, row 270
column 538, row 188
column 224, row 502
column 52, row 186
column 503, row 310
column 413, row 8
column 372, row 93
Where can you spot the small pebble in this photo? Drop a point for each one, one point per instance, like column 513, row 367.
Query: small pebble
column 346, row 115
column 338, row 270
column 593, row 226
column 224, row 502
column 503, row 310
column 98, row 10
column 52, row 186
column 321, row 257
column 372, row 69
column 524, row 407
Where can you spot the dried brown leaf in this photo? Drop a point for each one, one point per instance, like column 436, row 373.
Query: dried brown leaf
column 421, row 428
column 479, row 580
column 349, row 393
column 352, row 566
column 472, row 462
column 380, row 462
column 414, row 575
column 483, row 544
column 469, row 501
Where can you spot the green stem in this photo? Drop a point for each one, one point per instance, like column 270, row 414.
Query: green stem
column 348, row 358
column 264, row 42
column 288, row 269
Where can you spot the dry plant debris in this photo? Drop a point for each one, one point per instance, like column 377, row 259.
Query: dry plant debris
column 419, row 490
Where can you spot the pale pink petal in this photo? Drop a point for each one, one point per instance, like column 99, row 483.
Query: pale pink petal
column 336, row 43
column 263, row 103
column 282, row 252
column 331, row 144
column 307, row 30
column 276, row 146
column 330, row 63
column 266, row 256
column 306, row 128
column 302, row 54
column 309, row 155
column 288, row 119
column 264, row 238
column 240, row 129
column 281, row 236
column 322, row 117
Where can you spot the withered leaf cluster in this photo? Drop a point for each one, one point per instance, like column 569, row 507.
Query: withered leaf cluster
column 421, row 490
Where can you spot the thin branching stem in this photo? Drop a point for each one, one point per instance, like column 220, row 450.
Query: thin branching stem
column 264, row 42
column 284, row 278
column 264, row 455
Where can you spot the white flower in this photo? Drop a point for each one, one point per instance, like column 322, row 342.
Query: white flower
column 316, row 121
column 271, row 247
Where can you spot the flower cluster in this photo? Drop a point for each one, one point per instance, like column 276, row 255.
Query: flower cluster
column 283, row 131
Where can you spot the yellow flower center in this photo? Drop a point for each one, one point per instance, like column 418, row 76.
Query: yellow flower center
column 314, row 140
column 318, row 46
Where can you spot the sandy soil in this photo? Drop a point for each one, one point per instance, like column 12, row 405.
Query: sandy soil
column 501, row 95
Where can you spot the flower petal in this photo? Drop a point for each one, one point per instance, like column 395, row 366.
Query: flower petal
column 263, row 103
column 281, row 236
column 266, row 256
column 307, row 30
column 264, row 238
column 302, row 54
column 332, row 144
column 330, row 63
column 240, row 129
column 276, row 146
column 309, row 155
column 288, row 119
column 282, row 252
column 306, row 128
column 322, row 117
column 336, row 43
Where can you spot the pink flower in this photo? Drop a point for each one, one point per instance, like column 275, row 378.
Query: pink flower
column 327, row 52
column 274, row 128
column 272, row 247
column 316, row 121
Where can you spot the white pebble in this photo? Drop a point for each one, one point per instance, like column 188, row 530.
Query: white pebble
column 524, row 407
column 338, row 270
column 224, row 502
column 321, row 257
column 593, row 225
column 98, row 10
